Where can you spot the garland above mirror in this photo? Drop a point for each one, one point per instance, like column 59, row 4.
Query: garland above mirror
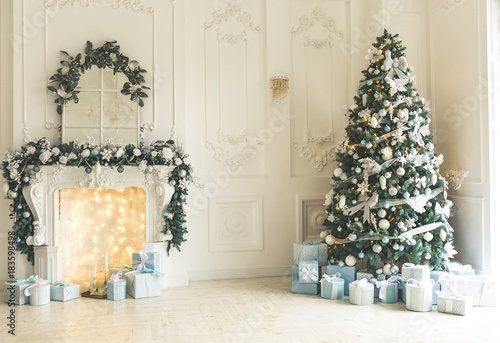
column 65, row 81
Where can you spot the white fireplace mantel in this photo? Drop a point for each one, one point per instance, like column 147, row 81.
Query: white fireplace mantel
column 41, row 196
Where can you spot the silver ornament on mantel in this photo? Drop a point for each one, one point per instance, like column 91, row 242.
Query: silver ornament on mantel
column 182, row 173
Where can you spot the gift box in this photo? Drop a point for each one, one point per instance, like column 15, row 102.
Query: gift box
column 63, row 291
column 121, row 270
column 418, row 295
column 146, row 260
column 308, row 272
column 39, row 292
column 143, row 284
column 14, row 290
column 332, row 287
column 347, row 273
column 117, row 287
column 454, row 303
column 402, row 293
column 389, row 289
column 436, row 287
column 416, row 272
column 309, row 251
column 459, row 269
column 361, row 292
column 480, row 287
column 436, row 274
column 376, row 290
column 303, row 288
column 363, row 274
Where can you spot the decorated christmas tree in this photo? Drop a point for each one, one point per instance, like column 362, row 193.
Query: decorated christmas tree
column 388, row 201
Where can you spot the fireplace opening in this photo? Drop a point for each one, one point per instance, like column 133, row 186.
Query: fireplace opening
column 93, row 222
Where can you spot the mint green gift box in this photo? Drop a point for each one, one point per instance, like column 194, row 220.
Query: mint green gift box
column 63, row 291
column 347, row 273
column 310, row 251
column 361, row 292
column 418, row 296
column 146, row 260
column 332, row 287
column 303, row 288
column 389, row 289
column 117, row 288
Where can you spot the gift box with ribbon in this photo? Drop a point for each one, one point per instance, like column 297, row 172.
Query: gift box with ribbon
column 144, row 283
column 460, row 269
column 361, row 292
column 122, row 269
column 389, row 289
column 303, row 288
column 418, row 295
column 143, row 260
column 39, row 292
column 436, row 287
column 117, row 287
column 480, row 287
column 64, row 291
column 310, row 251
column 416, row 272
column 308, row 272
column 454, row 303
column 347, row 273
column 332, row 287
column 436, row 274
column 363, row 274
column 14, row 290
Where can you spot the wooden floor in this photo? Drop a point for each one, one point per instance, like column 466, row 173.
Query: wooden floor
column 243, row 310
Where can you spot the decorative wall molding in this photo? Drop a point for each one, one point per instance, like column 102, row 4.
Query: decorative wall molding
column 318, row 15
column 318, row 159
column 318, row 43
column 456, row 177
column 451, row 5
column 130, row 5
column 235, row 224
column 231, row 38
column 232, row 10
column 310, row 217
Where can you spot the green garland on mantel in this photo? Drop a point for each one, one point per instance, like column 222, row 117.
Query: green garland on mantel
column 21, row 167
column 108, row 55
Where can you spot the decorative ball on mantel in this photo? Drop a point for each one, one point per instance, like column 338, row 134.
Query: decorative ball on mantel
column 350, row 260
column 182, row 173
column 330, row 239
column 323, row 234
column 12, row 194
column 120, row 169
column 26, row 214
column 88, row 170
column 361, row 255
column 150, row 169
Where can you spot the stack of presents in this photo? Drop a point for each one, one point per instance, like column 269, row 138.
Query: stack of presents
column 454, row 291
column 141, row 279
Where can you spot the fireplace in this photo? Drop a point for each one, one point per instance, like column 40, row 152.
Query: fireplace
column 43, row 197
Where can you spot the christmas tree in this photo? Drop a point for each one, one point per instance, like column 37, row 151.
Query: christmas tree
column 388, row 201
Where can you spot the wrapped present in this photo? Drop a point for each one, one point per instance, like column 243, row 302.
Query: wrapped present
column 436, row 274
column 416, row 272
column 39, row 292
column 144, row 283
column 117, row 287
column 123, row 269
column 454, row 303
column 146, row 260
column 436, row 287
column 480, row 287
column 418, row 295
column 376, row 290
column 460, row 269
column 389, row 289
column 303, row 288
column 64, row 291
column 332, row 287
column 363, row 274
column 309, row 251
column 347, row 273
column 14, row 290
column 308, row 272
column 361, row 292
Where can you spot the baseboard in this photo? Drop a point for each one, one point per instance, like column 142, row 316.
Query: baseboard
column 239, row 273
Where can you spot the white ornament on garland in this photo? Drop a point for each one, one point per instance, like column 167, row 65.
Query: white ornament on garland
column 384, row 224
column 428, row 236
column 337, row 172
column 323, row 234
column 330, row 239
column 350, row 260
column 383, row 182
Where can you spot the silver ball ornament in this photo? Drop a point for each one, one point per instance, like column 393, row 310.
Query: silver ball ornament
column 385, row 239
column 341, row 264
column 378, row 271
column 381, row 213
column 427, row 256
column 361, row 255
column 395, row 246
column 182, row 173
column 394, row 269
column 377, row 248
column 26, row 214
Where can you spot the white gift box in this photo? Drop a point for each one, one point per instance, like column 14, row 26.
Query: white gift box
column 143, row 285
column 361, row 292
column 416, row 272
column 418, row 296
column 480, row 287
column 454, row 303
column 39, row 292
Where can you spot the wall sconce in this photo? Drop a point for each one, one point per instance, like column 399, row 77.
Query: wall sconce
column 279, row 85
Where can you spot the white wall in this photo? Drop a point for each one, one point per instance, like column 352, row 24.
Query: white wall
column 245, row 220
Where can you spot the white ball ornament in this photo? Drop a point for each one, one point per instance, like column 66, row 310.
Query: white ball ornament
column 386, row 269
column 434, row 179
column 385, row 239
column 341, row 263
column 401, row 225
column 337, row 172
column 428, row 236
column 384, row 224
column 377, row 248
column 406, row 195
column 343, row 176
column 342, row 201
column 442, row 235
column 400, row 171
column 330, row 239
column 393, row 191
column 350, row 260
column 368, row 145
column 383, row 182
column 323, row 234
column 428, row 191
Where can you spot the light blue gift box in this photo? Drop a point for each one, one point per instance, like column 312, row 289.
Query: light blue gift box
column 436, row 287
column 346, row 273
column 303, row 288
column 63, row 291
column 308, row 272
column 117, row 290
column 143, row 284
column 436, row 274
column 332, row 287
column 460, row 269
column 309, row 251
column 416, row 272
column 151, row 260
column 389, row 289
column 361, row 292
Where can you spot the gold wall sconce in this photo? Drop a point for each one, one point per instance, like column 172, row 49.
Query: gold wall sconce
column 279, row 85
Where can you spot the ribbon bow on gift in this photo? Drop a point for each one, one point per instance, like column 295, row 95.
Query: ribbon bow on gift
column 126, row 266
column 115, row 277
column 144, row 258
column 309, row 274
column 38, row 283
column 461, row 269
column 395, row 67
column 365, row 203
column 383, row 285
column 331, row 278
column 31, row 279
column 363, row 283
column 444, row 212
column 418, row 132
column 60, row 284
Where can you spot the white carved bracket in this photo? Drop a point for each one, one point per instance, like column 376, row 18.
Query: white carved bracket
column 34, row 194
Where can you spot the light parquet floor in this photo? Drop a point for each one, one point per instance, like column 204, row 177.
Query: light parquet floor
column 243, row 310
